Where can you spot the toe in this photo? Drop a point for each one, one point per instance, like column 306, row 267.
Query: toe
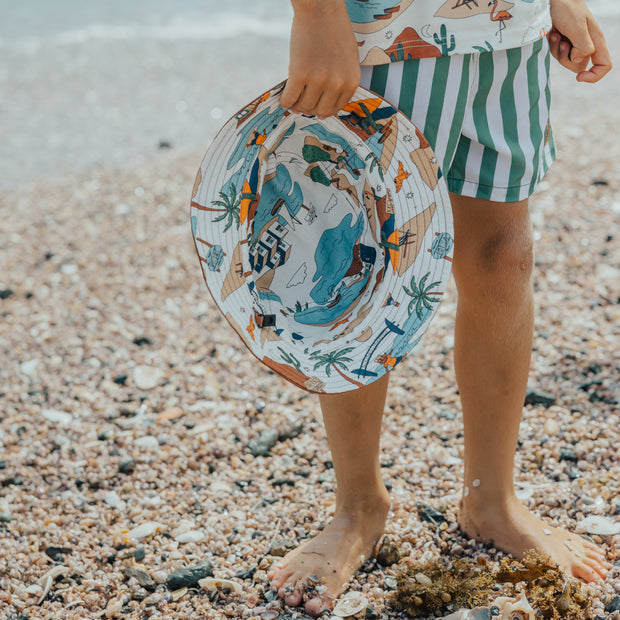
column 317, row 605
column 293, row 599
column 587, row 573
column 280, row 579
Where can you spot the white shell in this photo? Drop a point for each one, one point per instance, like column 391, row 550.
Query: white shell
column 468, row 614
column 211, row 583
column 599, row 525
column 350, row 604
column 191, row 536
column 148, row 528
column 423, row 579
column 514, row 609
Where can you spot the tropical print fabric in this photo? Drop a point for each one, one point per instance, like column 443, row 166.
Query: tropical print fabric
column 393, row 30
column 326, row 244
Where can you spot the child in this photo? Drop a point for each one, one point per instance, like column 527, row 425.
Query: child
column 485, row 113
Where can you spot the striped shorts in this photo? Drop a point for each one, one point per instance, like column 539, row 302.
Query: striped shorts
column 485, row 115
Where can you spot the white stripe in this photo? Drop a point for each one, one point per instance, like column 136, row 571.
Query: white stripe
column 522, row 109
column 451, row 98
column 366, row 76
column 496, row 128
column 426, row 72
column 474, row 156
column 394, row 82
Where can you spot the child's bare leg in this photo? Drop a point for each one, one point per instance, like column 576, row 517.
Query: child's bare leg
column 353, row 425
column 493, row 341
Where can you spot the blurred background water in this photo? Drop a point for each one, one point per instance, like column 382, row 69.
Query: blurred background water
column 88, row 83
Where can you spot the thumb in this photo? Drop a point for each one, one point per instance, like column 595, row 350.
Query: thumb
column 291, row 93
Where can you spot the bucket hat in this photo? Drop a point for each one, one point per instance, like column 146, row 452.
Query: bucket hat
column 325, row 243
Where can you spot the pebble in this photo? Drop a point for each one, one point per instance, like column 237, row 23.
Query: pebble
column 148, row 441
column 189, row 577
column 29, row 368
column 147, row 377
column 551, row 427
column 57, row 417
column 263, row 442
column 388, row 552
column 127, row 465
column 111, row 498
column 536, row 397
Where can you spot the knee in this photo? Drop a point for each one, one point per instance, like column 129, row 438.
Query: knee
column 500, row 265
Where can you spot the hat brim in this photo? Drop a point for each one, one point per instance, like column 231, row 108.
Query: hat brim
column 327, row 243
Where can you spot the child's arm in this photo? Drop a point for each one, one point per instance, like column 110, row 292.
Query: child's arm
column 576, row 38
column 324, row 68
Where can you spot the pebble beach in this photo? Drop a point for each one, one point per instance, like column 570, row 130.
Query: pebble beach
column 143, row 449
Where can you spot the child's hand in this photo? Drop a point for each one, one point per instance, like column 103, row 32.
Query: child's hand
column 576, row 38
column 324, row 68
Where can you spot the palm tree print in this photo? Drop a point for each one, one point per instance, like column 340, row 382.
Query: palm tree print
column 289, row 358
column 333, row 360
column 229, row 204
column 420, row 295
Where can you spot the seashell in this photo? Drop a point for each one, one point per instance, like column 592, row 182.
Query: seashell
column 212, row 584
column 191, row 536
column 599, row 525
column 423, row 579
column 350, row 604
column 148, row 528
column 178, row 594
column 514, row 609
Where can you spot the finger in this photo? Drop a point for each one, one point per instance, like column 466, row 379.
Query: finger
column 306, row 104
column 291, row 93
column 554, row 38
column 601, row 59
column 345, row 97
column 582, row 44
column 327, row 104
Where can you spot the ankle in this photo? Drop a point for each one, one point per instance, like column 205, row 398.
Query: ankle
column 489, row 503
column 364, row 504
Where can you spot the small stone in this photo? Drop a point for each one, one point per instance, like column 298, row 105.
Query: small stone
column 57, row 417
column 535, row 397
column 159, row 576
column 142, row 577
column 5, row 293
column 112, row 499
column 568, row 454
column 147, row 377
column 127, row 465
column 551, row 427
column 388, row 552
column 139, row 554
column 56, row 553
column 189, row 577
column 613, row 605
column 263, row 442
column 147, row 442
column 113, row 608
column 280, row 547
column 390, row 582
column 29, row 368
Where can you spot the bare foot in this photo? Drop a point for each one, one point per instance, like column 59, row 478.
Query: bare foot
column 515, row 529
column 331, row 558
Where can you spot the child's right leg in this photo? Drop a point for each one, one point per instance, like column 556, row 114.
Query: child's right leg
column 353, row 425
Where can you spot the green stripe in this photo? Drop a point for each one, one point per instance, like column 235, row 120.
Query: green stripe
column 458, row 116
column 509, row 122
column 460, row 160
column 408, row 86
column 378, row 79
column 438, row 94
column 536, row 131
column 489, row 157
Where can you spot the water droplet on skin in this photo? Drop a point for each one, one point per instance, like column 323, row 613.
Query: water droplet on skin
column 466, row 492
column 476, row 482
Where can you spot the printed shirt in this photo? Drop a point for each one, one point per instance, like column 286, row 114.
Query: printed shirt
column 393, row 30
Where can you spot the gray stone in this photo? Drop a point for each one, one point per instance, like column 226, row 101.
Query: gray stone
column 263, row 442
column 189, row 577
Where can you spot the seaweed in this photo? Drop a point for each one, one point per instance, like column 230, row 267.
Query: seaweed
column 433, row 588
